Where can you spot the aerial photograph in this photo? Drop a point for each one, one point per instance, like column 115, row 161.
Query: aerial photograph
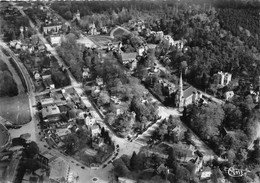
column 130, row 91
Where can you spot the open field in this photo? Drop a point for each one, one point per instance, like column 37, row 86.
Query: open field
column 101, row 40
column 86, row 41
column 15, row 109
column 118, row 33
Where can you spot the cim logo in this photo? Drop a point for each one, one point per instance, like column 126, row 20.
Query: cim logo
column 234, row 172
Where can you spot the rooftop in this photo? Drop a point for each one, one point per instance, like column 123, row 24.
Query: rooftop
column 128, row 56
column 50, row 110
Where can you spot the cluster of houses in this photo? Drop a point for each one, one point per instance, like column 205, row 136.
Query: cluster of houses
column 63, row 113
column 27, row 45
column 185, row 155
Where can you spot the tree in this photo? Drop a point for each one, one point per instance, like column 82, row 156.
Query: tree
column 68, row 15
column 120, row 168
column 31, row 150
column 187, row 136
column 103, row 98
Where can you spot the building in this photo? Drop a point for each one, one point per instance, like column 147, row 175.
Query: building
column 125, row 180
column 223, row 78
column 95, row 130
column 183, row 152
column 128, row 57
column 47, row 102
column 206, row 173
column 93, row 29
column 48, row 83
column 51, row 113
column 55, row 39
column 167, row 39
column 159, row 35
column 185, row 96
column 54, row 29
column 229, row 95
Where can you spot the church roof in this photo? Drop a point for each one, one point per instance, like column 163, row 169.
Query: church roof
column 189, row 91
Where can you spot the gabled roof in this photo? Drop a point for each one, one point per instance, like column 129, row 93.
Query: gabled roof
column 128, row 56
column 189, row 91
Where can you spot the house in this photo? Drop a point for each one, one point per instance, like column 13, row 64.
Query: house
column 206, row 173
column 132, row 65
column 184, row 153
column 37, row 76
column 47, row 102
column 48, row 83
column 159, row 35
column 163, row 168
column 128, row 57
column 223, row 78
column 85, row 73
column 179, row 44
column 93, row 29
column 55, row 39
column 51, row 113
column 167, row 39
column 51, row 28
column 140, row 50
column 149, row 152
column 104, row 30
column 95, row 130
column 229, row 95
column 125, row 180
column 99, row 81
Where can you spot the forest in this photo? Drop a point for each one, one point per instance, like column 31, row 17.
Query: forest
column 8, row 87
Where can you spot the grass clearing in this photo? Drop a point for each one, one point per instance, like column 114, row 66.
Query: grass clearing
column 15, row 109
column 119, row 32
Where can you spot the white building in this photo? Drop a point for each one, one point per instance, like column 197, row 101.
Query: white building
column 55, row 39
column 225, row 78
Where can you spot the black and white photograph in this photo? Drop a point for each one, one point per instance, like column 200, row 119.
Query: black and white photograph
column 130, row 91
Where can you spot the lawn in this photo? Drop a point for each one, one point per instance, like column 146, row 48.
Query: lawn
column 15, row 109
column 118, row 33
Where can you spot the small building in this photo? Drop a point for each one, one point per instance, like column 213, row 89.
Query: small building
column 47, row 102
column 99, row 81
column 159, row 35
column 223, row 78
column 37, row 76
column 51, row 113
column 93, row 29
column 48, row 83
column 55, row 39
column 95, row 130
column 140, row 50
column 229, row 95
column 167, row 39
column 128, row 57
column 206, row 173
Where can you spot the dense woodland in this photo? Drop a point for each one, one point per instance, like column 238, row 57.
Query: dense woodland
column 8, row 87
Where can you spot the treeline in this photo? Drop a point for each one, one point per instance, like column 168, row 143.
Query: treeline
column 228, row 129
column 8, row 87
